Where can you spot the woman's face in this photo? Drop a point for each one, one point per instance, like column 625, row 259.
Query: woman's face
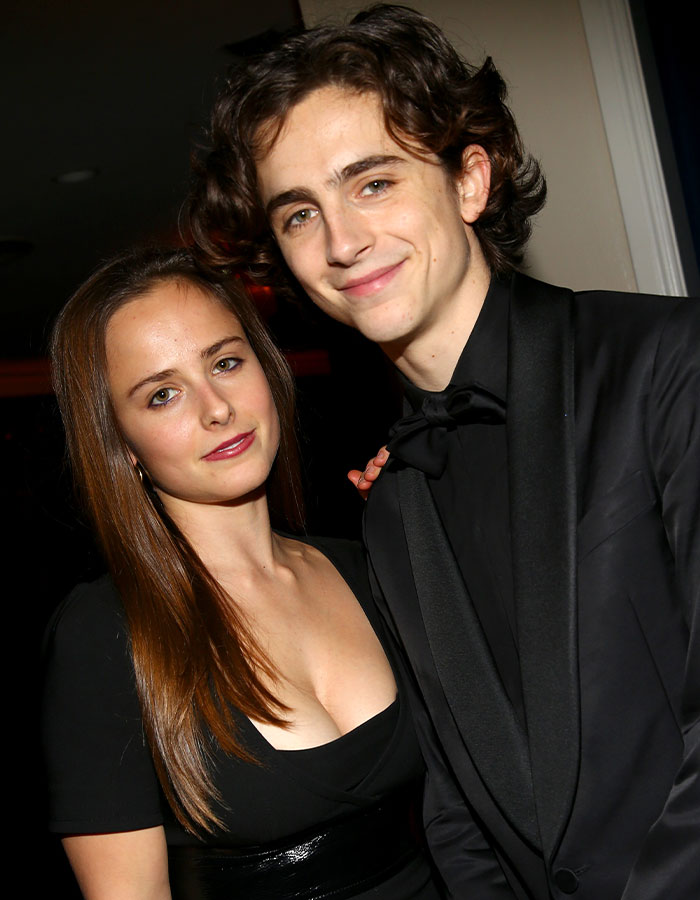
column 190, row 396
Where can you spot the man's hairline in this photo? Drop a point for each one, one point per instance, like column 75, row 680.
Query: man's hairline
column 261, row 148
column 262, row 144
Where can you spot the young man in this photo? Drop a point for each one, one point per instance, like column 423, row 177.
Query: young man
column 536, row 531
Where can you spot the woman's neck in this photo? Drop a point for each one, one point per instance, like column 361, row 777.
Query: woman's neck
column 234, row 541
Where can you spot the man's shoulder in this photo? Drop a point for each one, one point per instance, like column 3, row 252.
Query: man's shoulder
column 605, row 309
column 638, row 318
column 632, row 303
column 630, row 325
column 621, row 302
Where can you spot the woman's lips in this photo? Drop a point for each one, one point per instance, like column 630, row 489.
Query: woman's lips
column 234, row 447
column 372, row 282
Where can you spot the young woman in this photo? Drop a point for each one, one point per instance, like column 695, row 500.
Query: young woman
column 221, row 717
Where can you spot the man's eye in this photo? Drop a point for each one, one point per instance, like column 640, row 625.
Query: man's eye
column 227, row 364
column 376, row 186
column 163, row 396
column 301, row 217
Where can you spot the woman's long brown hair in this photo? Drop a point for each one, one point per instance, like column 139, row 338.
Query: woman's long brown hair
column 194, row 657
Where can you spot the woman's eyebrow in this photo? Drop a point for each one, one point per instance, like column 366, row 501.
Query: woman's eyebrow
column 214, row 349
column 204, row 354
column 149, row 379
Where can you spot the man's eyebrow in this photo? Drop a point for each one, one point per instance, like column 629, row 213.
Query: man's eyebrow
column 304, row 195
column 286, row 198
column 168, row 373
column 364, row 165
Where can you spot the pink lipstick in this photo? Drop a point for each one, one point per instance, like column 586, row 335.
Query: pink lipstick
column 233, row 447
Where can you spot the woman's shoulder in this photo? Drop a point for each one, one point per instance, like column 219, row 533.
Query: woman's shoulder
column 90, row 618
column 348, row 556
column 349, row 559
column 343, row 548
column 100, row 771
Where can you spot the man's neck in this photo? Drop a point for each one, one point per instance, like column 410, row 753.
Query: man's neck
column 429, row 359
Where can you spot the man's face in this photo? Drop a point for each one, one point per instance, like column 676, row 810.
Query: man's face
column 376, row 236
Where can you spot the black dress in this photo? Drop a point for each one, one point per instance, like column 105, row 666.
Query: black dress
column 101, row 774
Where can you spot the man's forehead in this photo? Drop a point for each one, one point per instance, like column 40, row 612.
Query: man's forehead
column 313, row 108
column 330, row 135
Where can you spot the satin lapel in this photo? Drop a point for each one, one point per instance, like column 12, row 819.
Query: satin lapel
column 383, row 539
column 460, row 655
column 541, row 454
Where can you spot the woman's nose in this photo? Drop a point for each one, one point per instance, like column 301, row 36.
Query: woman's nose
column 216, row 407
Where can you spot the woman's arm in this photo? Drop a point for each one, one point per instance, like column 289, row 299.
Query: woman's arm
column 127, row 865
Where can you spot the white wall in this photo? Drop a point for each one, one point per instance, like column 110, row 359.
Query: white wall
column 579, row 239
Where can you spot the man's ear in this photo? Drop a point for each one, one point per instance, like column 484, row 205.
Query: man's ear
column 474, row 183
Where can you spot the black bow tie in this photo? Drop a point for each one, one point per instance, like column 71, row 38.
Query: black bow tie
column 420, row 440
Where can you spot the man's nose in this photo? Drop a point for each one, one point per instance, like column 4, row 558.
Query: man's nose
column 348, row 235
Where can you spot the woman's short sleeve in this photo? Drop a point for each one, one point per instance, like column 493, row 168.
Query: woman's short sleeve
column 100, row 772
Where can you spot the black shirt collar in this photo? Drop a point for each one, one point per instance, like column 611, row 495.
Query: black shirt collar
column 484, row 359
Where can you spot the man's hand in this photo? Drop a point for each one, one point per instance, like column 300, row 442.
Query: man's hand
column 363, row 480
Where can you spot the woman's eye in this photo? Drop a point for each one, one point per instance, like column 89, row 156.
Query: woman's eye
column 226, row 364
column 163, row 396
column 301, row 217
column 376, row 186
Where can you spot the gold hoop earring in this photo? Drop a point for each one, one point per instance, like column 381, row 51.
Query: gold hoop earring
column 147, row 485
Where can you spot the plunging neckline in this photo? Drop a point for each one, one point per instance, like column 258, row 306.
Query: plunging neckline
column 267, row 754
column 372, row 622
column 350, row 735
column 289, row 761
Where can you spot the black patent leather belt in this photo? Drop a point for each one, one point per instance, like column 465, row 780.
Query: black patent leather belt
column 347, row 856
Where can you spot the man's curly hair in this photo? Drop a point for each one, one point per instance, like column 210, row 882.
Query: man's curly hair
column 432, row 100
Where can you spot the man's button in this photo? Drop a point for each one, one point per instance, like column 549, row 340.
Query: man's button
column 566, row 881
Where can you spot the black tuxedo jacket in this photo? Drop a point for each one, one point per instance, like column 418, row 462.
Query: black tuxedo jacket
column 601, row 795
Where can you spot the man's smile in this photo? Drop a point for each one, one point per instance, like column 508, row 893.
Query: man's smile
column 374, row 281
